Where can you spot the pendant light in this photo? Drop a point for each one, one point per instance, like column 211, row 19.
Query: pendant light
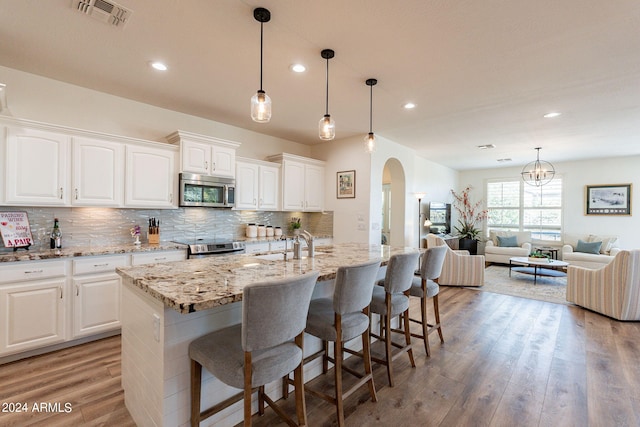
column 260, row 102
column 370, row 139
column 539, row 172
column 326, row 126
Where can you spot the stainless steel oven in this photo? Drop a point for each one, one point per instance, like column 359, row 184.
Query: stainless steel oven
column 206, row 191
column 204, row 248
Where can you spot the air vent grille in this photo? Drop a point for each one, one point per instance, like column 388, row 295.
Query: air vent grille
column 106, row 11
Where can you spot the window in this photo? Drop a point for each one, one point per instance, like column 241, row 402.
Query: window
column 516, row 206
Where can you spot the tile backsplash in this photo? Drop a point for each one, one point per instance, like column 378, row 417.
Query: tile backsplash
column 109, row 226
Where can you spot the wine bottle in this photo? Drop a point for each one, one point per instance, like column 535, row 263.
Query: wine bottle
column 56, row 235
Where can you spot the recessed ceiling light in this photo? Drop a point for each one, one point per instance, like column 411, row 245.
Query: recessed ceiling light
column 551, row 115
column 298, row 68
column 486, row 146
column 158, row 66
column 409, row 106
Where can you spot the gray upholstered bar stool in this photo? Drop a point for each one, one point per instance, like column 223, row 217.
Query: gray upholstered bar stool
column 264, row 348
column 392, row 300
column 425, row 286
column 341, row 319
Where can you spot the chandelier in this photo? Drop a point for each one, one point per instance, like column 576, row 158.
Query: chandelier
column 538, row 172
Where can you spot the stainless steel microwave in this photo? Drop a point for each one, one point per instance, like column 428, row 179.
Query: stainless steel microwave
column 206, row 191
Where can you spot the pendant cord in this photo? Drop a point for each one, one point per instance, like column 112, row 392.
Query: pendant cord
column 327, row 97
column 261, row 37
column 371, row 110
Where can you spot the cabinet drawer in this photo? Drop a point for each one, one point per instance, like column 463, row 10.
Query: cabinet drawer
column 156, row 257
column 254, row 248
column 31, row 270
column 98, row 264
column 278, row 246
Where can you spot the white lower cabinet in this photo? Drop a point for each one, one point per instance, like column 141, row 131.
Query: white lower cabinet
column 96, row 294
column 33, row 311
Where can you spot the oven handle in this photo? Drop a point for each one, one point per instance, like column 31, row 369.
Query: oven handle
column 227, row 252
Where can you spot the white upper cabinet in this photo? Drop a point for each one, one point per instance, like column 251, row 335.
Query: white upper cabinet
column 257, row 185
column 302, row 183
column 98, row 173
column 36, row 167
column 205, row 155
column 151, row 178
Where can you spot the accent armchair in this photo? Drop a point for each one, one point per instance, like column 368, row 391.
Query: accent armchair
column 612, row 290
column 460, row 268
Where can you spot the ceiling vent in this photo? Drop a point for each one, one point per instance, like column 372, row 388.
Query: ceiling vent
column 106, row 11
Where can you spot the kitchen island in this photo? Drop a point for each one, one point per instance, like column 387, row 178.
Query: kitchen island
column 166, row 306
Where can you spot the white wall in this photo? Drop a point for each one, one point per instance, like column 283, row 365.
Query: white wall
column 576, row 175
column 421, row 175
column 45, row 100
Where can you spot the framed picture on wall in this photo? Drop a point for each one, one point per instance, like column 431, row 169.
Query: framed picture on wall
column 613, row 199
column 346, row 185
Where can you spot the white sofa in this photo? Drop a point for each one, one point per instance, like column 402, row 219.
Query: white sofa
column 494, row 253
column 608, row 250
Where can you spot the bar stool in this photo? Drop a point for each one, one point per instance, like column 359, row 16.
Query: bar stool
column 425, row 286
column 393, row 300
column 341, row 319
column 258, row 351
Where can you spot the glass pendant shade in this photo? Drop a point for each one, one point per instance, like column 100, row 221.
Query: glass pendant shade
column 261, row 107
column 370, row 143
column 327, row 128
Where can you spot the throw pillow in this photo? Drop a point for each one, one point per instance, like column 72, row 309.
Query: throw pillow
column 588, row 247
column 508, row 241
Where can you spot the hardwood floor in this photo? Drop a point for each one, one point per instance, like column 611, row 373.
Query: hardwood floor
column 506, row 361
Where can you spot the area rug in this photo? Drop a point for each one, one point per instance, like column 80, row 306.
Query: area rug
column 550, row 289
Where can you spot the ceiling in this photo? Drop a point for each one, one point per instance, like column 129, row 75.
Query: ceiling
column 481, row 72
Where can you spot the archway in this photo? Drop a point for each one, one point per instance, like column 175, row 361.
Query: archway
column 393, row 202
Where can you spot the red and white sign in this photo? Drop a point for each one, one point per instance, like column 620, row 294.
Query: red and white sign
column 15, row 229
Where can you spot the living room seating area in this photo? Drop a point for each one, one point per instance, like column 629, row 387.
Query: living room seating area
column 503, row 245
column 589, row 251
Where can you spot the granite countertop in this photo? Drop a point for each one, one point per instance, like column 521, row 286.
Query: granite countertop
column 47, row 254
column 200, row 284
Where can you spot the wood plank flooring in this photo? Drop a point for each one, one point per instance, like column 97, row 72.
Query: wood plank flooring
column 506, row 361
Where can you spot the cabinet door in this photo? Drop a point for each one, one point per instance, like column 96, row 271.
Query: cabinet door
column 195, row 157
column 32, row 315
column 293, row 186
column 223, row 162
column 96, row 304
column 98, row 173
column 36, row 168
column 247, row 178
column 314, row 188
column 150, row 178
column 268, row 188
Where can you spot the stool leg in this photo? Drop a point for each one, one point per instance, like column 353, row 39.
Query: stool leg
column 196, row 380
column 425, row 327
column 337, row 368
column 366, row 352
column 387, row 339
column 325, row 357
column 436, row 309
column 407, row 337
column 298, row 379
column 247, row 389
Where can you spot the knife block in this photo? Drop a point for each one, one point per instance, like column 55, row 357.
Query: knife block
column 154, row 239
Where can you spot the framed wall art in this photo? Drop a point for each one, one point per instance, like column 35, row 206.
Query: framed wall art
column 612, row 199
column 346, row 185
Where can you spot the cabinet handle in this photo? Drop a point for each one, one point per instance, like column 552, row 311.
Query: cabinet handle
column 61, row 192
column 60, row 292
column 33, row 272
column 160, row 259
column 77, row 290
column 101, row 265
column 76, row 194
column 254, row 202
column 170, row 197
column 214, row 165
column 206, row 165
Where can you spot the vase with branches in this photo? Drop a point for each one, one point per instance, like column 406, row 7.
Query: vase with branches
column 470, row 214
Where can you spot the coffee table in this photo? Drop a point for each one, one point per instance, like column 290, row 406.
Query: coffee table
column 544, row 267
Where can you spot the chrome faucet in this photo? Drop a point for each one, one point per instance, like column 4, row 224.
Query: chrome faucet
column 309, row 239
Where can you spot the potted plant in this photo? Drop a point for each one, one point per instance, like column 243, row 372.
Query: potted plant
column 539, row 256
column 469, row 215
column 295, row 225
